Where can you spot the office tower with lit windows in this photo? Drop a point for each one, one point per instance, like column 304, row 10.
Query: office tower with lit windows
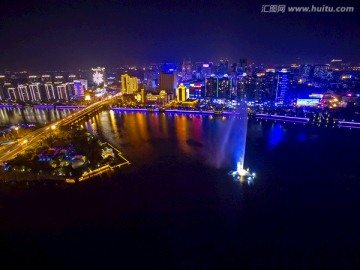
column 211, row 86
column 321, row 71
column 223, row 67
column 129, row 85
column 246, row 88
column 206, row 70
column 219, row 87
column 186, row 70
column 168, row 82
column 224, row 87
column 196, row 90
column 241, row 66
column 306, row 72
column 282, row 87
column 240, row 87
column 80, row 86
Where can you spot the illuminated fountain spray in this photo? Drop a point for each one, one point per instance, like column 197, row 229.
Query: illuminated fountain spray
column 240, row 173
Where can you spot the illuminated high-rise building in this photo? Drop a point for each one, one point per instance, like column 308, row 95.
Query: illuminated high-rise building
column 168, row 81
column 46, row 78
column 143, row 96
column 98, row 77
column 79, row 88
column 62, row 92
column 240, row 88
column 182, row 93
column 186, row 70
column 211, row 85
column 2, row 87
column 206, row 70
column 33, row 79
column 241, row 66
column 84, row 83
column 129, row 85
column 23, row 92
column 12, row 93
column 282, row 87
column 196, row 90
column 72, row 77
column 321, row 71
column 223, row 67
column 219, row 87
column 59, row 79
column 50, row 91
column 306, row 72
column 35, row 92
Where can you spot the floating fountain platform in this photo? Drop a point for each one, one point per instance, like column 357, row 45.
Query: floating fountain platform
column 243, row 176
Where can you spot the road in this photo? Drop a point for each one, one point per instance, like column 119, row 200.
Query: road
column 10, row 151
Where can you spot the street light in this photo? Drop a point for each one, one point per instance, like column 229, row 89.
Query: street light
column 17, row 131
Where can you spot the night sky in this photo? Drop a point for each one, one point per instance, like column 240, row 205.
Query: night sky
column 42, row 35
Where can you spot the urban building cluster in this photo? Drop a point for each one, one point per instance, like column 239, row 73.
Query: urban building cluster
column 334, row 84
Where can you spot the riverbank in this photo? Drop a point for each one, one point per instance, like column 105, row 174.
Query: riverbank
column 67, row 155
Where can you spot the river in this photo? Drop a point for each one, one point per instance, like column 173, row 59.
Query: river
column 175, row 207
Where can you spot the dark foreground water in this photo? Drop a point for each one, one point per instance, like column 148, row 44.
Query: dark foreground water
column 176, row 208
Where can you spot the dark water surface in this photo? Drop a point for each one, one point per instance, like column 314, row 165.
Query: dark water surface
column 176, row 208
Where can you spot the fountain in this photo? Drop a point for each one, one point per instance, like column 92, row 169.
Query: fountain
column 240, row 174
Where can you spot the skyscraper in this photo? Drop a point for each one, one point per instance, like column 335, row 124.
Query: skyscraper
column 23, row 92
column 282, row 87
column 241, row 66
column 306, row 72
column 218, row 87
column 12, row 93
column 168, row 82
column 79, row 89
column 62, row 92
column 321, row 71
column 223, row 67
column 186, row 70
column 35, row 92
column 50, row 91
column 129, row 85
column 2, row 87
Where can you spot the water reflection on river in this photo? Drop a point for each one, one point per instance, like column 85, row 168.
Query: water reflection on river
column 13, row 116
column 176, row 205
column 144, row 137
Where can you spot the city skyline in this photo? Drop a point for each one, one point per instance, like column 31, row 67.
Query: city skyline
column 89, row 33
